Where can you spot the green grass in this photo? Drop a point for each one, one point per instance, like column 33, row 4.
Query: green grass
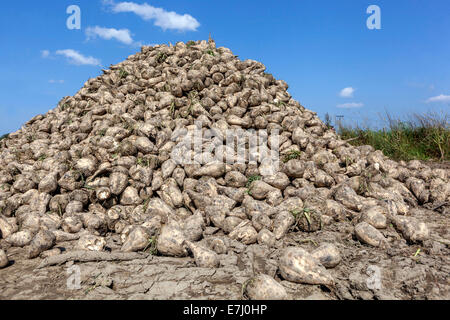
column 143, row 162
column 281, row 104
column 151, row 246
column 172, row 109
column 423, row 137
column 249, row 183
column 251, row 180
column 146, row 204
column 305, row 211
column 291, row 155
column 162, row 57
column 299, row 213
column 190, row 43
column 123, row 73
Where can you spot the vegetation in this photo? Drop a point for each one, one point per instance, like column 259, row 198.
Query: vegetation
column 151, row 246
column 252, row 179
column 328, row 121
column 249, row 183
column 123, row 73
column 291, row 155
column 102, row 132
column 143, row 162
column 146, row 204
column 5, row 136
column 190, row 43
column 422, row 137
column 172, row 108
column 162, row 57
column 64, row 106
column 298, row 214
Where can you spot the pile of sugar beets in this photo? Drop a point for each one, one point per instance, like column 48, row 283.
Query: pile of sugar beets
column 100, row 164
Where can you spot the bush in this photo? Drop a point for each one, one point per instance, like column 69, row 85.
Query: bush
column 423, row 137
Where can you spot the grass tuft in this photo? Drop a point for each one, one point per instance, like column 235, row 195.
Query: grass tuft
column 162, row 57
column 190, row 43
column 151, row 246
column 143, row 162
column 291, row 155
column 251, row 180
column 123, row 73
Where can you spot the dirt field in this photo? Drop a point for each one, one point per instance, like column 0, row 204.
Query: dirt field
column 404, row 273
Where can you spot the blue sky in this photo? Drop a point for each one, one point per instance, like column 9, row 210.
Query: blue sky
column 318, row 47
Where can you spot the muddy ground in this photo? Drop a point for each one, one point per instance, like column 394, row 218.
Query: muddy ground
column 405, row 272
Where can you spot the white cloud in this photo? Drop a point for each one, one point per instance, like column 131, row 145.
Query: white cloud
column 350, row 105
column 347, row 92
column 440, row 98
column 162, row 18
column 122, row 35
column 45, row 53
column 77, row 58
column 55, row 81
